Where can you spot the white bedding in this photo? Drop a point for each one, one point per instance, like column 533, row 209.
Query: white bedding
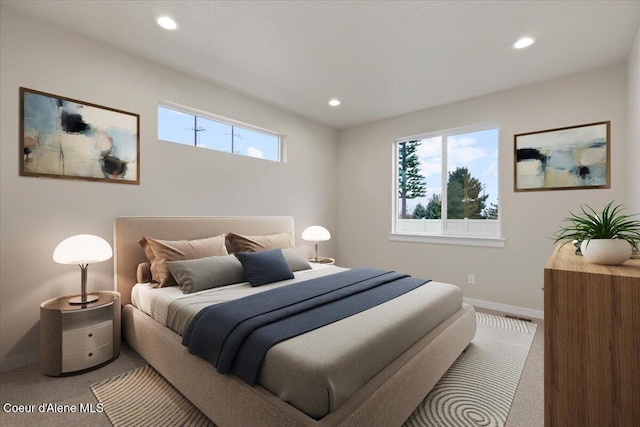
column 318, row 371
column 155, row 301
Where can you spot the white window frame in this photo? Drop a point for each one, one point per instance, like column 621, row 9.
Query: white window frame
column 444, row 237
column 227, row 121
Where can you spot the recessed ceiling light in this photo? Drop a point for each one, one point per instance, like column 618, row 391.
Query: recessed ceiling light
column 167, row 22
column 523, row 42
column 334, row 102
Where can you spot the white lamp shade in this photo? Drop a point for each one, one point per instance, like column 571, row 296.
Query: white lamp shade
column 82, row 249
column 316, row 233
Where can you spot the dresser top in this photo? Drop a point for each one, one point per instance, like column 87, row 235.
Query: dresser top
column 564, row 258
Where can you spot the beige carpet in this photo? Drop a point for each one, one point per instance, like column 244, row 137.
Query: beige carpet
column 477, row 390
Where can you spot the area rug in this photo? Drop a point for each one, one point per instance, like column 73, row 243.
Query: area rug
column 143, row 398
column 477, row 390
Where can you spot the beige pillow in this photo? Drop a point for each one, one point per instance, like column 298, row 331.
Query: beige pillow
column 238, row 243
column 161, row 251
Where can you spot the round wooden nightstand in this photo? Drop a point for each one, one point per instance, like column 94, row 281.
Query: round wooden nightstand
column 75, row 337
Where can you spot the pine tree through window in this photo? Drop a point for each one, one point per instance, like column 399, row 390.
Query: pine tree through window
column 447, row 183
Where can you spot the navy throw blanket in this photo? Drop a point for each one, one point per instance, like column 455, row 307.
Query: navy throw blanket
column 236, row 335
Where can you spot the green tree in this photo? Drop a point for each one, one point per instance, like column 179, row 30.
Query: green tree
column 411, row 183
column 434, row 207
column 491, row 212
column 419, row 212
column 463, row 195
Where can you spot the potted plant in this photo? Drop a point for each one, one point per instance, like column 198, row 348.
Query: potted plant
column 606, row 237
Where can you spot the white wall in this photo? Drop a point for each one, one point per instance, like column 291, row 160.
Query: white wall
column 634, row 127
column 512, row 275
column 37, row 213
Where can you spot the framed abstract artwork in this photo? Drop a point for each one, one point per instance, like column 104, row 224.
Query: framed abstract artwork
column 70, row 139
column 573, row 157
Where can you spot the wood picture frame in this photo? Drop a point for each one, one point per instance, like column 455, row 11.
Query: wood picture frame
column 65, row 138
column 568, row 158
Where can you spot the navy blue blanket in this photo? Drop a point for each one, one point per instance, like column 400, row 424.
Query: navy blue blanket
column 235, row 336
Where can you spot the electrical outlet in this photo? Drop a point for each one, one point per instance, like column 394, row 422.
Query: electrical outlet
column 472, row 279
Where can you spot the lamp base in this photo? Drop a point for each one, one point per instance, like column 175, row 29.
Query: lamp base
column 321, row 260
column 87, row 300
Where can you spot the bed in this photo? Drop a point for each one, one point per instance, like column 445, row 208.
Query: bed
column 385, row 395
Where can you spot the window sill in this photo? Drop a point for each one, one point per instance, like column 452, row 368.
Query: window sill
column 493, row 242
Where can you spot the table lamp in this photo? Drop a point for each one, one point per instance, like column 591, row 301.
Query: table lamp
column 82, row 249
column 316, row 233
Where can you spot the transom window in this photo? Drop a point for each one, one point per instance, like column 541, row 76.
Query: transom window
column 446, row 183
column 217, row 134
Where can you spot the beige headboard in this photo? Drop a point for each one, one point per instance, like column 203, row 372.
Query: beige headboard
column 127, row 230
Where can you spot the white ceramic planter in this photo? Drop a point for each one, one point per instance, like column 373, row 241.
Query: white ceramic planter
column 606, row 251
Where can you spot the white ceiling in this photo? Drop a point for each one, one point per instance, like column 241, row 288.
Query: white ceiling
column 381, row 58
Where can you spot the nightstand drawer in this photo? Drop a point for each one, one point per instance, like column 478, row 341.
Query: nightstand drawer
column 86, row 358
column 75, row 337
column 87, row 338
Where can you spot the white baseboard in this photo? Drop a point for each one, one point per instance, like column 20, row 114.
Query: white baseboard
column 511, row 309
column 19, row 361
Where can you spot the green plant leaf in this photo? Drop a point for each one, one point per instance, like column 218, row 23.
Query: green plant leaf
column 610, row 223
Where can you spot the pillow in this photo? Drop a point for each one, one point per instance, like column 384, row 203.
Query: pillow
column 205, row 273
column 161, row 251
column 238, row 243
column 143, row 273
column 264, row 267
column 295, row 261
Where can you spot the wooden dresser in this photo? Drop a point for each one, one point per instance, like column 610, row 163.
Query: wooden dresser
column 591, row 342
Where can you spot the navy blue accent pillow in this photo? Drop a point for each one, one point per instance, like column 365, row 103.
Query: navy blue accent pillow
column 264, row 267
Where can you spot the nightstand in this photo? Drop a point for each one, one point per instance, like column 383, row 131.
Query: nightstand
column 78, row 337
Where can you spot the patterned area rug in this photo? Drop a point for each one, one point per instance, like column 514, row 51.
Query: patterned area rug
column 476, row 391
column 478, row 388
column 143, row 398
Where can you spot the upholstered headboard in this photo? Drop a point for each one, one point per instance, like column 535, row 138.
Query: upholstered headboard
column 127, row 230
